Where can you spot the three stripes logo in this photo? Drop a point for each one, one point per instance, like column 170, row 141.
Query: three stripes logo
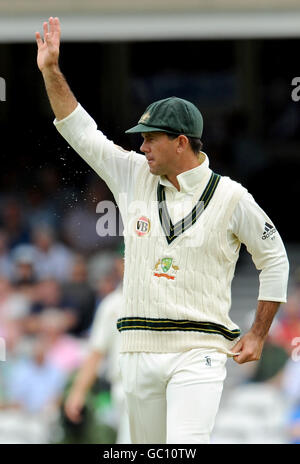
column 269, row 230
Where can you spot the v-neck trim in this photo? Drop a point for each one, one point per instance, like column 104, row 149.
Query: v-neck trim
column 173, row 231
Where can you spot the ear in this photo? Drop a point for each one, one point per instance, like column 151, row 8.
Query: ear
column 182, row 143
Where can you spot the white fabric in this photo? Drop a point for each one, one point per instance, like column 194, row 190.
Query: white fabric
column 104, row 336
column 197, row 285
column 119, row 169
column 205, row 255
column 174, row 397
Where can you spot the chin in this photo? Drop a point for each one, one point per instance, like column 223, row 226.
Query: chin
column 153, row 172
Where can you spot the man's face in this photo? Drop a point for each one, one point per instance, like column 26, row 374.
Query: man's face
column 159, row 151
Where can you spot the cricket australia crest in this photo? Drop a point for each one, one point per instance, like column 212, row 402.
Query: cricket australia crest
column 165, row 267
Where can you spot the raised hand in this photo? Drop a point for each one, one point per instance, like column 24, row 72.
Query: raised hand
column 48, row 49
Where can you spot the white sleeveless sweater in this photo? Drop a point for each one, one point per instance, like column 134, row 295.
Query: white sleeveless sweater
column 177, row 290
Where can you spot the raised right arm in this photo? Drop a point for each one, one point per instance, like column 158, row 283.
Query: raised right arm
column 117, row 167
column 61, row 98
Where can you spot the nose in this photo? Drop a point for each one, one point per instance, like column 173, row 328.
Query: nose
column 144, row 147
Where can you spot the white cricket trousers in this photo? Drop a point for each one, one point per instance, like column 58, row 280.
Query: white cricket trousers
column 172, row 397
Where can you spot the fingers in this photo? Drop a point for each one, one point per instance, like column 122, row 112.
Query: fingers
column 246, row 356
column 54, row 25
column 73, row 412
column 39, row 39
column 237, row 347
column 239, row 358
column 49, row 29
column 45, row 29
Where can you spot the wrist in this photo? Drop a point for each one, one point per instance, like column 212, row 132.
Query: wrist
column 258, row 333
column 51, row 69
column 79, row 391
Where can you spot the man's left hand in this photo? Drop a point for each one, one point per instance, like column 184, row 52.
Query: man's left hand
column 249, row 348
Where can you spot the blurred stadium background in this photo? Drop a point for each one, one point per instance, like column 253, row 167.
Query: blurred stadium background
column 236, row 61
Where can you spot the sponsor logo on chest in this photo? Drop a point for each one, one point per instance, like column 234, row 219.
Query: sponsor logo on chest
column 142, row 226
column 165, row 267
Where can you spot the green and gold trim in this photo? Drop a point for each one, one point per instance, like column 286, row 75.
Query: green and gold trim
column 171, row 325
column 173, row 231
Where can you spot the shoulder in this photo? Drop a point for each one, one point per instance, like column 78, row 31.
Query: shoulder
column 232, row 187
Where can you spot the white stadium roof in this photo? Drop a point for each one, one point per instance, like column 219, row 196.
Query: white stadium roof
column 109, row 20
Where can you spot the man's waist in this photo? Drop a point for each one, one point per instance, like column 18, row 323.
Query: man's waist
column 173, row 325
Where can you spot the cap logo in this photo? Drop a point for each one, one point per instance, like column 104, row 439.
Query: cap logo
column 144, row 118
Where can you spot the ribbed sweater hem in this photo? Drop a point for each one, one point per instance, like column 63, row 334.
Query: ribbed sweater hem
column 166, row 342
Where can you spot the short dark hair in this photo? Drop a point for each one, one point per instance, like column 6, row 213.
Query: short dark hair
column 195, row 143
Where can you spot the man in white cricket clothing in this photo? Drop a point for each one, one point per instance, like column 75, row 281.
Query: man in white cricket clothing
column 183, row 227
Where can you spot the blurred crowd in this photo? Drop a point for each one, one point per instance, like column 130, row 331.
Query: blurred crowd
column 263, row 407
column 51, row 285
column 54, row 272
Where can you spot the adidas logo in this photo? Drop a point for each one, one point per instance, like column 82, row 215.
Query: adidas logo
column 269, row 230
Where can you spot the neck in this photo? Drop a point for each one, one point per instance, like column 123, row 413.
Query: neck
column 191, row 163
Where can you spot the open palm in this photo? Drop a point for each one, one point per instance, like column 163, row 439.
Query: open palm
column 48, row 49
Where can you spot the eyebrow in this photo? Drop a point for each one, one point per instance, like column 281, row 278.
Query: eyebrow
column 149, row 134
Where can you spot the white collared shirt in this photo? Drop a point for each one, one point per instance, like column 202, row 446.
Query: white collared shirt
column 249, row 224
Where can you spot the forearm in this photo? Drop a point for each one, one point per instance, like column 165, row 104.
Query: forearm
column 250, row 346
column 87, row 374
column 265, row 313
column 61, row 98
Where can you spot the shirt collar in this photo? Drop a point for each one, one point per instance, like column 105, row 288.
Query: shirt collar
column 191, row 180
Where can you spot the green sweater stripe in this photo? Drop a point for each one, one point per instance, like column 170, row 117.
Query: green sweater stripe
column 173, row 231
column 139, row 323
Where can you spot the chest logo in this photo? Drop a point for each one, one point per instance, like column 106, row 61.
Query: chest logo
column 168, row 268
column 142, row 226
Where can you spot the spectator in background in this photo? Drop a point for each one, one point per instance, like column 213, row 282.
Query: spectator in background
column 293, row 426
column 14, row 308
column 40, row 209
column 78, row 291
column 34, row 384
column 105, row 286
column 6, row 264
column 48, row 296
column 287, row 325
column 13, row 220
column 52, row 258
column 103, row 346
column 24, row 267
column 64, row 350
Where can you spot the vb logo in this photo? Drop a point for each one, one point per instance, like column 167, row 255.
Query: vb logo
column 142, row 226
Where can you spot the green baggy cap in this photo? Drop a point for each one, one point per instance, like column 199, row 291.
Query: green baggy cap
column 173, row 115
